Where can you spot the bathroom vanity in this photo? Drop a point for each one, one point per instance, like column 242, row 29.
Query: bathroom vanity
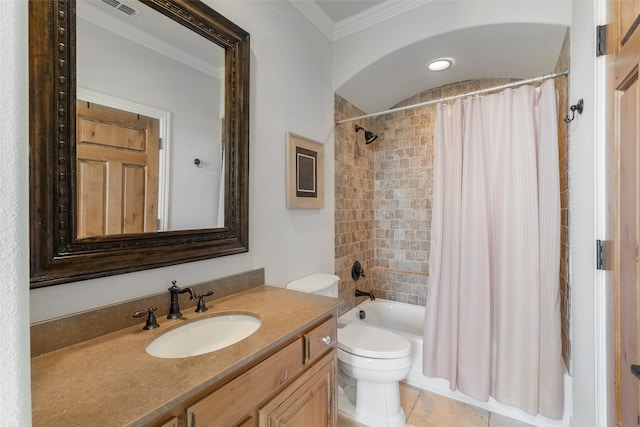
column 282, row 374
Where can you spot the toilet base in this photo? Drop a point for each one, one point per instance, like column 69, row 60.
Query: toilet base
column 372, row 404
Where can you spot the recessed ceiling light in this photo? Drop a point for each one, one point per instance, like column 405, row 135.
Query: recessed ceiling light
column 440, row 64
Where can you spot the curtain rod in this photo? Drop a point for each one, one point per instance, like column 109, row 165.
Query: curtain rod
column 462, row 95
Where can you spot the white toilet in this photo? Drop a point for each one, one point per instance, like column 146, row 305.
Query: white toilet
column 371, row 362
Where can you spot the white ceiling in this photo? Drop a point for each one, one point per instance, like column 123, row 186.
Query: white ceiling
column 519, row 49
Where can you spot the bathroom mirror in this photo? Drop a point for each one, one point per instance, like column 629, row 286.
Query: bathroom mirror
column 60, row 251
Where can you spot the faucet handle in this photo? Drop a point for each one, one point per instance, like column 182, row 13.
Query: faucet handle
column 152, row 323
column 201, row 305
column 174, row 287
column 357, row 270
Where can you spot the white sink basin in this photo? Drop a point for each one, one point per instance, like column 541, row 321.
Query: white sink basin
column 203, row 336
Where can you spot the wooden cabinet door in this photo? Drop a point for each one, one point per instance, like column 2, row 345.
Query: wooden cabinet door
column 234, row 404
column 191, row 420
column 171, row 423
column 623, row 88
column 249, row 422
column 117, row 170
column 308, row 402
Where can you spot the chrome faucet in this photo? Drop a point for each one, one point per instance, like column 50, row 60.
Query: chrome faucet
column 174, row 308
column 360, row 293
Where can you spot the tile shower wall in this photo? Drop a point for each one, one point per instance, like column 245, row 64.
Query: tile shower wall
column 384, row 194
column 402, row 199
column 565, row 217
column 354, row 202
column 403, row 191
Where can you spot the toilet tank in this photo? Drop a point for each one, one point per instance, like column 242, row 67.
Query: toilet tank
column 318, row 283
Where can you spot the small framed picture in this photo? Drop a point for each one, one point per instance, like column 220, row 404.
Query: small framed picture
column 305, row 173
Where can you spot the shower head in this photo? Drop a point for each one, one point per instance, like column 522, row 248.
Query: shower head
column 369, row 137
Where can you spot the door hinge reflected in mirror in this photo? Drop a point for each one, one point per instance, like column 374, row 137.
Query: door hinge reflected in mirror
column 601, row 40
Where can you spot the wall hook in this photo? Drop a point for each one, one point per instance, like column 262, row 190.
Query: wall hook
column 197, row 162
column 576, row 107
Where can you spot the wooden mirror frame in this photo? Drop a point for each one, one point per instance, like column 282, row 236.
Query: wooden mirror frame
column 57, row 255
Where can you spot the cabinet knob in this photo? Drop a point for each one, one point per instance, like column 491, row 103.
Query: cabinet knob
column 326, row 340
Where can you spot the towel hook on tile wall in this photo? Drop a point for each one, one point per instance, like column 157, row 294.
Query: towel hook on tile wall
column 575, row 107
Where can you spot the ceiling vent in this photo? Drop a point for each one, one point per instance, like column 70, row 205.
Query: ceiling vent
column 122, row 7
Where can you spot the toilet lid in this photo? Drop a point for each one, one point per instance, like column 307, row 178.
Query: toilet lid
column 313, row 283
column 368, row 341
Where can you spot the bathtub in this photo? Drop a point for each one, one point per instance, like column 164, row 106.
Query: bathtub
column 408, row 321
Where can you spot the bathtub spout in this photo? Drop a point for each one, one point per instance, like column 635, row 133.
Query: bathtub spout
column 360, row 293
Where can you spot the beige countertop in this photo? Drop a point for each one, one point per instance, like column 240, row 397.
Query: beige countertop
column 112, row 381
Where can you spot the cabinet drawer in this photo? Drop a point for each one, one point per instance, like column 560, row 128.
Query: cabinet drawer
column 171, row 423
column 320, row 340
column 234, row 400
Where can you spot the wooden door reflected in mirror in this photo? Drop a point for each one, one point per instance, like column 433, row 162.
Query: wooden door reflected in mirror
column 117, row 169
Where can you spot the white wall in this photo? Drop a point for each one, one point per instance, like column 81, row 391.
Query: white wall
column 15, row 397
column 581, row 189
column 290, row 91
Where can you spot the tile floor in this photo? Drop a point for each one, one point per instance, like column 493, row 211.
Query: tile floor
column 426, row 409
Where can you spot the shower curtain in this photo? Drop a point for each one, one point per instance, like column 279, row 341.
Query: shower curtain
column 492, row 324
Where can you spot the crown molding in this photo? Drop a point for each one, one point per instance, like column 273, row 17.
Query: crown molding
column 373, row 16
column 365, row 19
column 127, row 30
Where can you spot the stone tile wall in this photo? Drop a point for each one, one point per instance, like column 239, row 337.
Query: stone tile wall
column 403, row 191
column 354, row 202
column 565, row 217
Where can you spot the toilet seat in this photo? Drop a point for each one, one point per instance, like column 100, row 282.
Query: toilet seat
column 372, row 342
column 374, row 364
